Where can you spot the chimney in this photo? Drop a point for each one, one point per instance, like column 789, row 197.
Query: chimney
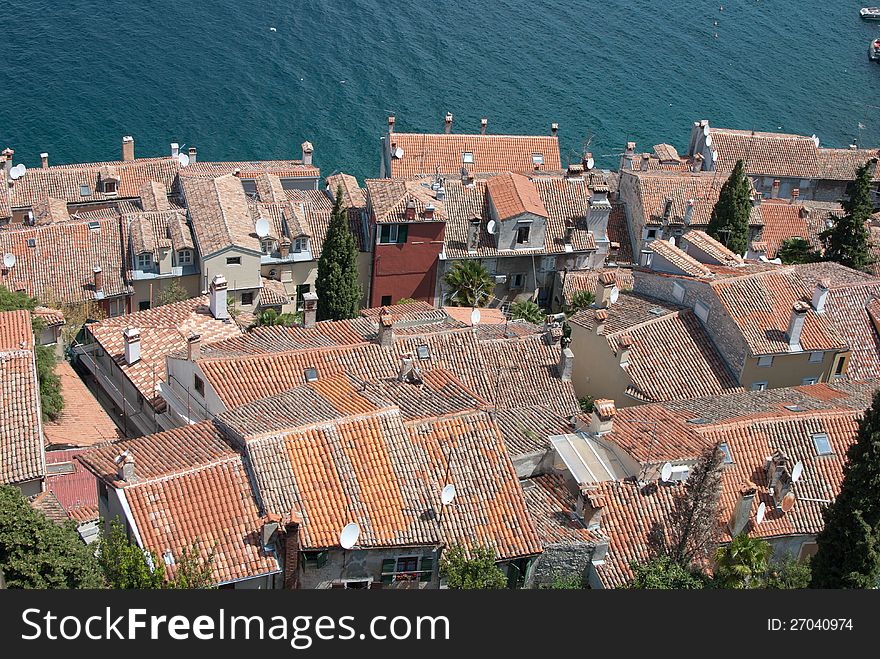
column 284, row 247
column 646, row 161
column 193, row 347
column 483, row 124
column 554, row 128
column 626, row 162
column 307, row 150
column 604, row 286
column 795, row 193
column 410, row 211
column 218, row 301
column 8, row 153
column 467, row 178
column 645, row 258
column 566, row 364
column 689, row 212
column 448, row 122
column 589, row 506
column 804, row 212
column 575, row 170
column 759, row 249
column 774, row 191
column 602, row 419
column 44, row 160
column 739, row 518
column 291, row 551
column 601, row 319
column 757, row 198
column 391, row 121
column 126, row 470
column 386, row 329
column 697, row 164
column 624, row 346
column 408, row 371
column 175, row 149
column 131, row 337
column 193, row 154
column 441, row 192
column 429, row 211
column 271, row 525
column 820, row 295
column 796, row 324
column 99, row 279
column 310, row 309
column 128, row 148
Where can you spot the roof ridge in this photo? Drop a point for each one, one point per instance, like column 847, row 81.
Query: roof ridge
column 649, row 322
column 250, row 440
column 779, row 416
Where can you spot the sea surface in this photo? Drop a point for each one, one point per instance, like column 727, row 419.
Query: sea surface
column 76, row 75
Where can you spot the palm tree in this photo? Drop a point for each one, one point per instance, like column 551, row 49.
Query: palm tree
column 741, row 561
column 469, row 283
column 527, row 310
column 580, row 300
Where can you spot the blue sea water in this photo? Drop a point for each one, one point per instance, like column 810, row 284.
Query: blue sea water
column 76, row 75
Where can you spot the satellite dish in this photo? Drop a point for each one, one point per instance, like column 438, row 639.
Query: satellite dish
column 788, row 502
column 398, row 152
column 615, row 293
column 666, row 472
column 590, row 163
column 183, row 159
column 708, row 140
column 8, row 260
column 262, row 227
column 349, row 536
column 475, row 317
column 815, row 140
column 714, row 156
column 490, row 227
column 17, row 172
column 797, row 471
column 762, row 511
column 447, row 495
column 706, row 130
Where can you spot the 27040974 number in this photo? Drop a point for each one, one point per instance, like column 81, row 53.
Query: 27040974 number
column 809, row 624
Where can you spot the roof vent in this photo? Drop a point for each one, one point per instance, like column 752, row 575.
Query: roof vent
column 657, row 311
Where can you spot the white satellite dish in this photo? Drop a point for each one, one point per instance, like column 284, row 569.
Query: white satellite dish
column 714, row 156
column 398, row 152
column 262, row 227
column 815, row 140
column 615, row 293
column 490, row 227
column 706, row 130
column 17, row 172
column 475, row 317
column 666, row 472
column 590, row 163
column 183, row 159
column 349, row 536
column 447, row 495
column 797, row 471
column 762, row 511
column 8, row 260
column 708, row 140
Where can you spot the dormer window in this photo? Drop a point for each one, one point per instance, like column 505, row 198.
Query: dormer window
column 267, row 245
column 145, row 261
column 522, row 235
column 110, row 187
column 185, row 257
column 301, row 244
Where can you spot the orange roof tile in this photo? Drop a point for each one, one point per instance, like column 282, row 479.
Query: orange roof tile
column 513, row 195
column 768, row 154
column 83, row 421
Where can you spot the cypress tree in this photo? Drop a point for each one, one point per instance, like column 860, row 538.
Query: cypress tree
column 337, row 284
column 848, row 240
column 729, row 223
column 849, row 545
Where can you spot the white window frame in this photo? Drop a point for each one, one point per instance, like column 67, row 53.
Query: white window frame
column 467, row 158
column 301, row 245
column 815, row 437
column 817, row 357
column 537, row 159
column 85, row 190
column 393, row 230
column 765, row 361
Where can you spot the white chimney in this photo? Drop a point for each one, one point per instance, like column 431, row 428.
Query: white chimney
column 218, row 302
column 796, row 324
column 126, row 469
column 689, row 212
column 820, row 295
column 131, row 337
column 566, row 364
column 554, row 128
column 604, row 286
column 44, row 160
column 310, row 309
column 739, row 518
column 483, row 124
column 307, row 150
column 601, row 318
column 448, row 122
column 175, row 149
column 602, row 419
column 624, row 346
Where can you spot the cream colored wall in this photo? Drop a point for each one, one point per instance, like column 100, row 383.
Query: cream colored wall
column 151, row 289
column 596, row 371
column 244, row 278
column 788, row 370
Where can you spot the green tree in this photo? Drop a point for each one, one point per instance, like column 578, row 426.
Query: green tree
column 270, row 317
column 337, row 285
column 406, row 300
column 565, row 582
column 469, row 284
column 173, row 293
column 797, row 250
column 849, row 545
column 586, row 404
column 848, row 240
column 581, row 300
column 741, row 561
column 36, row 552
column 471, row 570
column 729, row 222
column 663, row 573
column 528, row 311
column 785, row 575
column 192, row 570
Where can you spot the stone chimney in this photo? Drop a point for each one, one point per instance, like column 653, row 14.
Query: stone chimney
column 566, row 364
column 589, row 506
column 128, row 148
column 386, row 329
column 218, row 302
column 601, row 319
column 796, row 324
column 689, row 212
column 697, row 163
column 7, row 160
column 484, row 123
column 774, row 191
column 126, row 471
column 310, row 309
column 554, row 128
column 307, row 150
column 604, row 285
column 193, row 347
column 284, row 247
column 626, row 161
column 820, row 295
column 795, row 193
column 624, row 346
column 429, row 210
column 467, row 178
column 410, row 212
column 575, row 170
column 99, row 279
column 271, row 523
column 291, row 551
column 391, row 121
column 131, row 338
column 193, row 154
column 44, row 160
column 602, row 419
column 448, row 122
column 739, row 518
column 646, row 161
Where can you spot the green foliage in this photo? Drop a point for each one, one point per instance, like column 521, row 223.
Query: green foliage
column 270, row 317
column 469, row 283
column 174, row 293
column 848, row 240
column 663, row 573
column 477, row 571
column 787, row 575
column 337, row 284
column 741, row 561
column 528, row 311
column 581, row 300
column 729, row 223
column 192, row 570
column 586, row 404
column 35, row 552
column 232, row 307
column 565, row 582
column 798, row 250
column 849, row 545
column 406, row 300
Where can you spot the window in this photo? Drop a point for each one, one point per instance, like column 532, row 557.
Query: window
column 391, row 234
column 250, row 187
column 267, row 246
column 765, row 360
column 517, row 280
column 702, row 311
column 301, row 290
column 109, row 187
column 145, row 261
column 537, row 158
column 806, row 381
column 423, row 351
column 247, row 299
column 85, row 190
column 838, row 367
column 522, row 235
column 301, row 245
column 407, row 564
column 650, row 234
column 725, row 449
column 360, row 584
column 816, row 357
column 311, row 374
column 823, row 446
column 386, row 300
column 758, row 386
column 143, row 305
column 407, row 568
column 233, row 260
column 677, row 291
column 184, row 257
column 315, row 559
column 199, row 385
column 467, row 157
column 31, row 242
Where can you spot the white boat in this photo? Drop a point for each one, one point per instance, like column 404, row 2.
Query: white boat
column 870, row 13
column 874, row 50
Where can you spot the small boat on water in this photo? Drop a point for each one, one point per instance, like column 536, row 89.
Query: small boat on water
column 874, row 50
column 870, row 13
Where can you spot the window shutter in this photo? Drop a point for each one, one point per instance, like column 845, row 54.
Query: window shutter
column 427, row 569
column 402, row 232
column 388, row 570
column 321, row 559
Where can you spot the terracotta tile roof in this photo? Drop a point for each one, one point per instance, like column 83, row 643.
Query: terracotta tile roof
column 251, row 169
column 273, row 293
column 164, row 330
column 219, row 212
column 148, row 229
column 667, row 154
column 73, row 485
column 681, row 260
column 513, row 195
column 83, row 421
column 850, row 308
column 841, row 164
column 388, row 200
column 711, row 247
column 353, row 196
column 47, row 503
column 51, row 317
column 424, row 154
column 60, row 265
column 768, row 154
column 317, row 208
column 551, row 506
column 526, row 429
column 50, row 210
column 618, row 232
column 16, row 332
column 488, row 316
column 784, row 220
column 586, row 280
column 154, row 197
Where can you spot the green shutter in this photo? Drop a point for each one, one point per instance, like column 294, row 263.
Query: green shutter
column 388, row 570
column 402, row 232
column 321, row 559
column 427, row 569
column 512, row 575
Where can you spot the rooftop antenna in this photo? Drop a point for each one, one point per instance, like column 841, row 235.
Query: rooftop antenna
column 8, row 260
column 183, row 159
column 490, row 227
column 615, row 293
column 475, row 316
column 788, row 502
column 17, row 172
column 262, row 227
column 447, row 495
column 762, row 512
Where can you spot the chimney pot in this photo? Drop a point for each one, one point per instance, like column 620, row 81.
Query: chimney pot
column 589, row 506
column 193, row 346
column 193, row 154
column 820, row 295
column 410, row 211
column 483, row 125
column 175, row 149
column 554, row 128
column 44, row 160
column 131, row 339
column 624, row 345
column 448, row 122
column 689, row 211
column 391, row 121
column 429, row 211
column 99, row 279
column 218, row 300
column 284, row 247
column 310, row 309
column 126, row 469
column 795, row 193
column 774, row 191
column 601, row 319
column 307, row 150
column 757, row 198
column 386, row 329
column 128, row 148
column 602, row 419
column 796, row 324
column 604, row 286
column 739, row 519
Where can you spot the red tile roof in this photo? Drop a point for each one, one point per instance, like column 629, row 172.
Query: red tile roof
column 841, row 164
column 219, row 213
column 551, row 506
column 83, row 421
column 711, row 247
column 768, row 154
column 681, row 260
column 784, row 220
column 586, row 280
column 513, row 195
column 75, row 486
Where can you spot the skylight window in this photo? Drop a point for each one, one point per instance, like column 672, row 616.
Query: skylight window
column 822, row 444
column 94, row 226
column 85, row 190
column 311, row 374
column 424, row 352
column 467, row 157
column 725, row 449
column 31, row 242
column 538, row 158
